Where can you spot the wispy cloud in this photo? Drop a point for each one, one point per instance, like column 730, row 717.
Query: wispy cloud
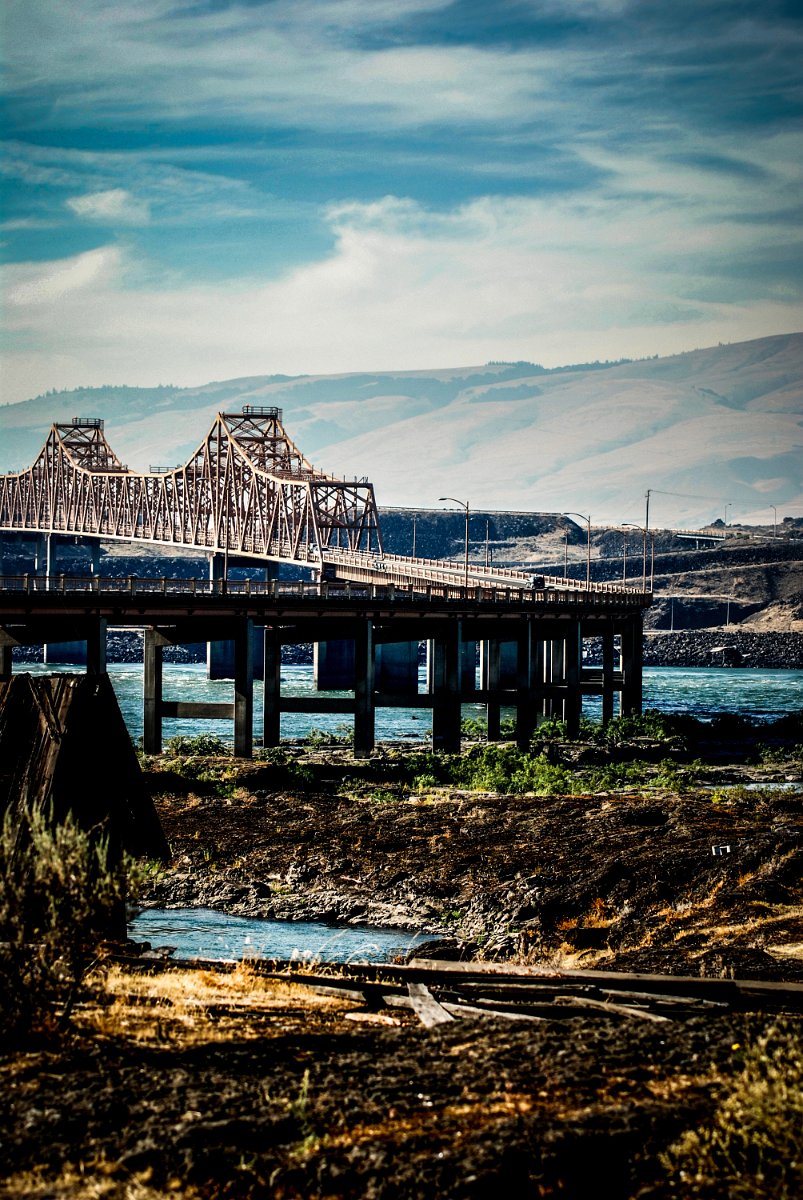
column 116, row 206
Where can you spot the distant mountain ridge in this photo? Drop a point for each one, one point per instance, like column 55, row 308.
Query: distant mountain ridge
column 713, row 433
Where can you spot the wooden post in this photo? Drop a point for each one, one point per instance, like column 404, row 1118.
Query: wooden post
column 244, row 689
column 152, row 692
column 364, row 711
column 271, row 703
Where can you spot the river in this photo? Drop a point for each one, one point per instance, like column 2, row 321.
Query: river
column 702, row 692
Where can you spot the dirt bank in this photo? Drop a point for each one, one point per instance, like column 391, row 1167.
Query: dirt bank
column 627, row 878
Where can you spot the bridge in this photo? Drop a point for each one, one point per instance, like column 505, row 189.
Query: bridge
column 249, row 493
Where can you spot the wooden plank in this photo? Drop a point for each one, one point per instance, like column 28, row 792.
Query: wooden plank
column 621, row 1010
column 429, row 1012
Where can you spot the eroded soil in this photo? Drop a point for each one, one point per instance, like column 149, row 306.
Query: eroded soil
column 630, row 880
column 203, row 1084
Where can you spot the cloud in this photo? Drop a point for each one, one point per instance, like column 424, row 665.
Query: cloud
column 404, row 287
column 38, row 286
column 113, row 207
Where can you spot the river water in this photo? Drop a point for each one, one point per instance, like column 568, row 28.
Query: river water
column 701, row 692
column 204, row 933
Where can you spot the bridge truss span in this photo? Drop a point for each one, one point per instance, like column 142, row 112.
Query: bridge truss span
column 246, row 491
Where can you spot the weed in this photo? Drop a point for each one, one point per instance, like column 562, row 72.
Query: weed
column 62, row 891
column 206, row 744
column 753, row 1146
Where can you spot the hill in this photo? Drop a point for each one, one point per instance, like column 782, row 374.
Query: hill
column 702, row 430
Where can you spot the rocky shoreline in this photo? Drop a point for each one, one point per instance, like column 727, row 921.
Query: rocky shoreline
column 730, row 647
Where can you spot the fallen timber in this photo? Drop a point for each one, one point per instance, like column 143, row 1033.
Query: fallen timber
column 438, row 991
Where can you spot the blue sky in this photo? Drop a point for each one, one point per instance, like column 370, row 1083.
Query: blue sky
column 206, row 189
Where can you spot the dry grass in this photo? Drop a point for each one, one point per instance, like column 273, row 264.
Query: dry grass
column 202, row 1006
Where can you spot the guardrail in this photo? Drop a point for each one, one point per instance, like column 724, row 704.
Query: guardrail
column 133, row 585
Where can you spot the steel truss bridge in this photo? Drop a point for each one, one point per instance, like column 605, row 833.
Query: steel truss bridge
column 247, row 493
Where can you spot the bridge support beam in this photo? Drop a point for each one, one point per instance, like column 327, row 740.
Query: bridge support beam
column 152, row 691
column 607, row 673
column 444, row 676
column 396, row 668
column 364, row 712
column 244, row 689
column 271, row 697
column 632, row 664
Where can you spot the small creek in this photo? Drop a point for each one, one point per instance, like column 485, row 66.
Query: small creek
column 205, row 933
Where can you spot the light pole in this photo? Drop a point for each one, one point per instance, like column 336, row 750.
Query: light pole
column 774, row 521
column 728, row 505
column 588, row 544
column 414, row 517
column 643, row 528
column 624, row 561
column 464, row 505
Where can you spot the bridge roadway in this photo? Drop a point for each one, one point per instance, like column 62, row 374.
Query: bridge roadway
column 530, row 641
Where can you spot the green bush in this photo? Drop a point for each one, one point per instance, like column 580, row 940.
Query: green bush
column 202, row 744
column 62, row 891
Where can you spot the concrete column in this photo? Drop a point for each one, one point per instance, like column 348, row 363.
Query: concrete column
column 554, row 675
column 152, row 692
column 6, row 666
column 607, row 674
column 333, row 665
column 525, row 712
column 396, row 668
column 490, row 675
column 468, row 667
column 364, row 712
column 96, row 648
column 271, row 704
column 444, row 674
column 574, row 697
column 632, row 662
column 244, row 689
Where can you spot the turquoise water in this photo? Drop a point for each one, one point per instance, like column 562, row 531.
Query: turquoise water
column 204, row 933
column 701, row 692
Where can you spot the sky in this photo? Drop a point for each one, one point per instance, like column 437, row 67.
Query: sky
column 195, row 190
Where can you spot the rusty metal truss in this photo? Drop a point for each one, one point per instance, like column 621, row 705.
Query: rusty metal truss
column 246, row 491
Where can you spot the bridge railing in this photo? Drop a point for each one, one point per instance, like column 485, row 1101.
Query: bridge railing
column 415, row 591
column 453, row 571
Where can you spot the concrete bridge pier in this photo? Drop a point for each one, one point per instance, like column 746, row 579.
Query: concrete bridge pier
column 271, row 673
column 220, row 655
column 364, row 711
column 445, row 661
column 156, row 708
column 632, row 665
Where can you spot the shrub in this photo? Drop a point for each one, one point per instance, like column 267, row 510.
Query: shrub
column 204, row 744
column 62, row 890
column 753, row 1146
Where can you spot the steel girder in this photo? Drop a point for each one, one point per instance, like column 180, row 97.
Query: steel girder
column 247, row 490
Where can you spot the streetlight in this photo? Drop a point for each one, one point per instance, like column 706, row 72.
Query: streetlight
column 464, row 505
column 728, row 505
column 774, row 521
column 588, row 548
column 643, row 528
